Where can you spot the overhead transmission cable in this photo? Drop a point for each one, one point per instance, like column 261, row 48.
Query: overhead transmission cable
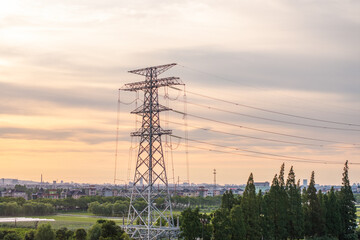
column 260, row 138
column 269, row 119
column 261, row 130
column 231, row 80
column 255, row 152
column 267, row 110
column 264, row 157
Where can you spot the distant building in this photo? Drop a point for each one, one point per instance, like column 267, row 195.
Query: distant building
column 262, row 186
column 106, row 192
column 52, row 194
column 305, row 182
column 91, row 190
column 13, row 193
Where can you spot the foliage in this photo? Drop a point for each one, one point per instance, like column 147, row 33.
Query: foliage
column 222, row 224
column 347, row 208
column 295, row 221
column 45, row 232
column 80, row 234
column 228, row 200
column 30, row 235
column 190, row 224
column 26, row 209
column 251, row 210
column 237, row 223
column 106, row 229
column 12, row 236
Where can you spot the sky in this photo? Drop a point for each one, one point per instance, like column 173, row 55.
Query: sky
column 62, row 63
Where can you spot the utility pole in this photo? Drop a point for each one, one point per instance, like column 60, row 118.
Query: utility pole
column 149, row 221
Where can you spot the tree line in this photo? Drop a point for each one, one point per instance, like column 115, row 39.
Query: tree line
column 26, row 209
column 285, row 212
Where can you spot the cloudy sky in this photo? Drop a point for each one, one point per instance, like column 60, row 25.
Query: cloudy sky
column 61, row 63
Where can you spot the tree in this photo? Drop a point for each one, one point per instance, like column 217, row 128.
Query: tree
column 95, row 232
column 237, row 223
column 190, row 224
column 276, row 205
column 312, row 210
column 333, row 220
column 45, row 232
column 61, row 234
column 221, row 225
column 228, row 200
column 295, row 221
column 347, row 208
column 250, row 207
column 109, row 230
column 80, row 234
column 322, row 224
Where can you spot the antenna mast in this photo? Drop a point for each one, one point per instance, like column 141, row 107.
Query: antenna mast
column 150, row 221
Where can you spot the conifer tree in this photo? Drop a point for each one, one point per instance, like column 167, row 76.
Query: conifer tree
column 228, row 200
column 333, row 220
column 295, row 221
column 347, row 208
column 222, row 226
column 312, row 210
column 277, row 209
column 250, row 207
column 237, row 223
column 322, row 224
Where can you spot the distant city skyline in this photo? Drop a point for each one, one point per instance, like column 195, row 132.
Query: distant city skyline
column 62, row 63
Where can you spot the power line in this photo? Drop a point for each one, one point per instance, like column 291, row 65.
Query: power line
column 263, row 157
column 270, row 119
column 283, row 157
column 233, row 81
column 260, row 138
column 261, row 130
column 269, row 111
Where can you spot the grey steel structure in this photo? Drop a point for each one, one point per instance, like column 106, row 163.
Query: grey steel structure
column 149, row 221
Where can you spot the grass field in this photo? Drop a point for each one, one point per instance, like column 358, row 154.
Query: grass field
column 70, row 221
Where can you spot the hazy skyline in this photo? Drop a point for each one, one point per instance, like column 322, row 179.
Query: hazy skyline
column 61, row 64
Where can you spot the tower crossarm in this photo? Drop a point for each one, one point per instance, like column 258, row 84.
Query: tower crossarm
column 156, row 83
column 143, row 109
column 143, row 132
column 157, row 69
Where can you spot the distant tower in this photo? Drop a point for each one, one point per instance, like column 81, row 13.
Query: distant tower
column 151, row 222
column 214, row 179
column 41, row 180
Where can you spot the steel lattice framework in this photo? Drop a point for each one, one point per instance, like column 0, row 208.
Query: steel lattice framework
column 148, row 221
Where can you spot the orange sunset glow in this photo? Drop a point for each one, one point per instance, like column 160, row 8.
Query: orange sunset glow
column 266, row 82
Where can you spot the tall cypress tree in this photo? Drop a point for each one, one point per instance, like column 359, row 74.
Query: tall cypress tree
column 228, row 200
column 322, row 226
column 222, row 228
column 295, row 221
column 333, row 220
column 312, row 210
column 237, row 223
column 347, row 208
column 249, row 205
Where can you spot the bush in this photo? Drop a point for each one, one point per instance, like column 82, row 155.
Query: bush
column 45, row 232
column 30, row 235
column 80, row 234
column 12, row 236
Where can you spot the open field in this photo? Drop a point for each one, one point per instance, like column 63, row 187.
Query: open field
column 70, row 221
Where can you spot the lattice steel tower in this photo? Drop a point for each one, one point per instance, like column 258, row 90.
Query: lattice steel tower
column 148, row 221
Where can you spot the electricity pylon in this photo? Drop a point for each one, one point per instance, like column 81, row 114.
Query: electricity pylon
column 146, row 220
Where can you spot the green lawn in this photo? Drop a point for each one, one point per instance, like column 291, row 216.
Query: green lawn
column 70, row 220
